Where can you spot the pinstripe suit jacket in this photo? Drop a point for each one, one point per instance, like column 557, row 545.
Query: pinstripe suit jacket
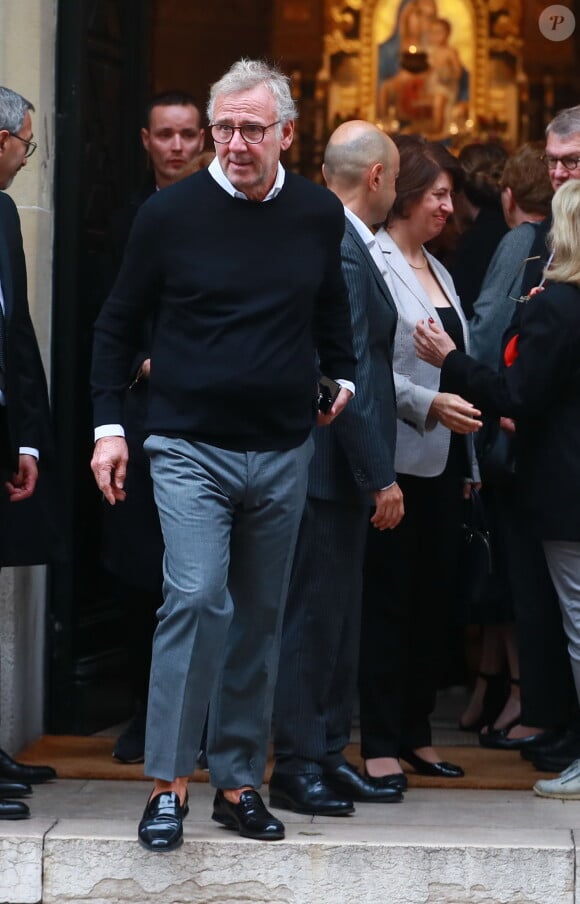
column 355, row 455
column 422, row 447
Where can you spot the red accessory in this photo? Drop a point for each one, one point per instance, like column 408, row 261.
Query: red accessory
column 510, row 352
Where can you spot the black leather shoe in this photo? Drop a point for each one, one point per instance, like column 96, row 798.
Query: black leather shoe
column 14, row 789
column 307, row 793
column 436, row 770
column 561, row 744
column 498, row 740
column 249, row 817
column 396, row 780
column 130, row 745
column 346, row 780
column 13, row 809
column 161, row 828
column 11, row 771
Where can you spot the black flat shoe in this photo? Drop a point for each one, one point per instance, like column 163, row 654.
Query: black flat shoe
column 249, row 817
column 346, row 780
column 559, row 742
column 11, row 771
column 14, row 790
column 436, row 770
column 13, row 809
column 397, row 780
column 308, row 793
column 161, row 828
column 498, row 740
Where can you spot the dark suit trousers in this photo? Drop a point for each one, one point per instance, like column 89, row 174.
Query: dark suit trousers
column 320, row 639
column 547, row 687
column 408, row 593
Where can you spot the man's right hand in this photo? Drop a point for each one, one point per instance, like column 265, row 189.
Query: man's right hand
column 109, row 465
column 389, row 507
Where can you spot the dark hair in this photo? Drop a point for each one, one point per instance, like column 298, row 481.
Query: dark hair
column 482, row 164
column 169, row 99
column 421, row 162
column 527, row 176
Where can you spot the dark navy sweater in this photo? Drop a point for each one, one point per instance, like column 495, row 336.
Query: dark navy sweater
column 244, row 296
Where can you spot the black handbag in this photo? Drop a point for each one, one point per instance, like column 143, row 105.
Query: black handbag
column 495, row 452
column 475, row 557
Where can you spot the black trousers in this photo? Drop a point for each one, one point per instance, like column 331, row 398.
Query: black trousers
column 408, row 595
column 546, row 683
column 317, row 674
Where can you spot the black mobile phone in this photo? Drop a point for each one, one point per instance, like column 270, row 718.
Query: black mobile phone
column 327, row 392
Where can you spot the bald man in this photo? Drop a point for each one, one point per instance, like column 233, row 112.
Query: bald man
column 351, row 480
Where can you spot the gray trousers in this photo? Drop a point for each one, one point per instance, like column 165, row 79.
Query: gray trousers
column 563, row 558
column 230, row 522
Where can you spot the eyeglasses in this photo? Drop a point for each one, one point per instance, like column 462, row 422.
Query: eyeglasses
column 522, row 299
column 569, row 163
column 30, row 145
column 250, row 132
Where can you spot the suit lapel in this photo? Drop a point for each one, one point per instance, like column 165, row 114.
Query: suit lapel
column 379, row 278
column 5, row 268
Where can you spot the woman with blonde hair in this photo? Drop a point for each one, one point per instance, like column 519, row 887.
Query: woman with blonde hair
column 540, row 390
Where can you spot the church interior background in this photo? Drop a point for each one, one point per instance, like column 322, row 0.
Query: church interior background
column 455, row 70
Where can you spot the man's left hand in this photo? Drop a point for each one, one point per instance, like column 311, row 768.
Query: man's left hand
column 340, row 403
column 23, row 482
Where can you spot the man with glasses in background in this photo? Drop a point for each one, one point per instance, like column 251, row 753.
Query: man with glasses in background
column 240, row 264
column 24, row 416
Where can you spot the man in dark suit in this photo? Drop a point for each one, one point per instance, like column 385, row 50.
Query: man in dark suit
column 173, row 139
column 352, row 468
column 240, row 264
column 23, row 396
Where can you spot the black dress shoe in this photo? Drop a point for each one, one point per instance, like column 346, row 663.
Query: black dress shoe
column 561, row 743
column 346, row 780
column 249, row 817
column 436, row 770
column 396, row 780
column 130, row 745
column 558, row 756
column 161, row 828
column 14, row 789
column 307, row 793
column 11, row 771
column 498, row 740
column 13, row 809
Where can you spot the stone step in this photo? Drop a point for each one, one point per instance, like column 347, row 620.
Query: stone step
column 439, row 847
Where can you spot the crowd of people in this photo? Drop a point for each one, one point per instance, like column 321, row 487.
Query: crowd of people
column 292, row 557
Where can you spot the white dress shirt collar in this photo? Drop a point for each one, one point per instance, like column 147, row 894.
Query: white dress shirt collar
column 222, row 180
column 368, row 238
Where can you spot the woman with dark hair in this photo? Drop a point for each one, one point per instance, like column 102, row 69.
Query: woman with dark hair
column 410, row 571
column 540, row 389
column 482, row 221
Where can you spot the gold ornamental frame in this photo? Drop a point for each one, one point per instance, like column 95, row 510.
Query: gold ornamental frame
column 350, row 29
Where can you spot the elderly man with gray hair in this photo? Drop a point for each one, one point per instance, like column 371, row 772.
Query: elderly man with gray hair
column 240, row 264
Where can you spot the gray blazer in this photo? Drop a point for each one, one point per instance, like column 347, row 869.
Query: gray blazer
column 422, row 445
column 493, row 309
column 355, row 454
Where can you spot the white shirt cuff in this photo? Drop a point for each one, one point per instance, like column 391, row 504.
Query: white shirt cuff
column 28, row 450
column 108, row 430
column 346, row 384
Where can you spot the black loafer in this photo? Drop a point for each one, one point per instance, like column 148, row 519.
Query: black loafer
column 307, row 793
column 13, row 809
column 161, row 828
column 11, row 771
column 249, row 817
column 346, row 780
column 435, row 770
column 14, row 789
column 397, row 780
